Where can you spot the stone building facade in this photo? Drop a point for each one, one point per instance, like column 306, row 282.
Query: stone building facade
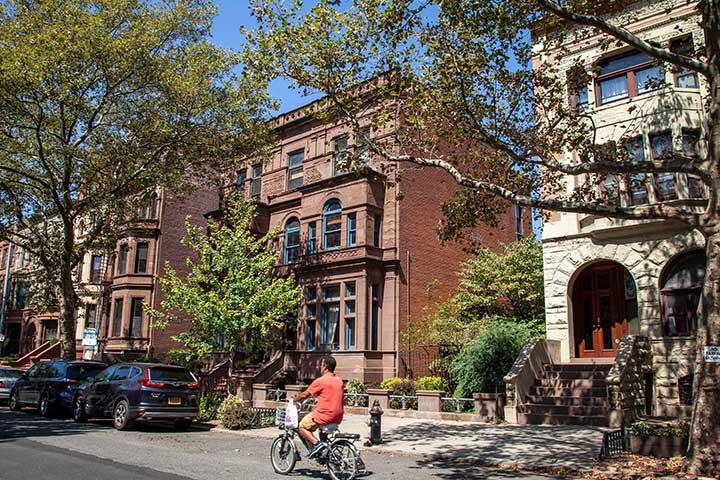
column 363, row 245
column 607, row 278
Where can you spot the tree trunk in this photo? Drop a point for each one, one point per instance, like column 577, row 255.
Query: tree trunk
column 67, row 323
column 704, row 451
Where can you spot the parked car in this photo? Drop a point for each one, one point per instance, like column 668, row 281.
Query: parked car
column 8, row 376
column 130, row 392
column 50, row 385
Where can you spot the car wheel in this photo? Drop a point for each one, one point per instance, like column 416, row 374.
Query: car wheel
column 182, row 424
column 13, row 402
column 44, row 406
column 78, row 410
column 121, row 416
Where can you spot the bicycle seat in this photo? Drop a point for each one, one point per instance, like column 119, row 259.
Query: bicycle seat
column 329, row 428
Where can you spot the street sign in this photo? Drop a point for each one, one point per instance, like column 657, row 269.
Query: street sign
column 712, row 354
column 89, row 337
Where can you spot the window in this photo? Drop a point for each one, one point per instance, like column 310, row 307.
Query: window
column 295, row 169
column 377, row 226
column 362, row 149
column 690, row 138
column 20, row 294
column 95, row 269
column 350, row 315
column 518, row 222
column 240, row 180
column 122, row 373
column 627, row 76
column 136, row 317
column 90, row 315
column 351, row 229
column 292, row 240
column 311, row 314
column 637, row 182
column 680, row 291
column 684, row 78
column 149, row 211
column 340, row 158
column 312, row 237
column 582, row 102
column 117, row 317
column 141, row 255
column 685, row 388
column 310, row 294
column 330, row 333
column 374, row 316
column 661, row 147
column 611, row 190
column 122, row 259
column 332, row 224
column 256, row 181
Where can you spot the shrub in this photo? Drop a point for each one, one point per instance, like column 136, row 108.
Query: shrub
column 481, row 365
column 389, row 383
column 355, row 386
column 431, row 383
column 208, row 408
column 440, row 366
column 234, row 415
column 643, row 430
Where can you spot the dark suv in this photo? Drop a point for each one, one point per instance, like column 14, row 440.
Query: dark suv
column 129, row 392
column 50, row 385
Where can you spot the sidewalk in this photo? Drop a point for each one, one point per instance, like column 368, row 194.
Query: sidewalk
column 442, row 442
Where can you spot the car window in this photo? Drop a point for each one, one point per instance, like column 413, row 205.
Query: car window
column 33, row 371
column 136, row 372
column 169, row 374
column 121, row 373
column 82, row 372
column 56, row 369
column 105, row 374
column 9, row 373
column 41, row 371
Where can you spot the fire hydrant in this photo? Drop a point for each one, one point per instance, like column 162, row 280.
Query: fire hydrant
column 375, row 423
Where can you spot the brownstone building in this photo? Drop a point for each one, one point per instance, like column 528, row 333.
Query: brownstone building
column 363, row 245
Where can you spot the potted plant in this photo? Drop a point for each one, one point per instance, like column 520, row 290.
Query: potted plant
column 658, row 438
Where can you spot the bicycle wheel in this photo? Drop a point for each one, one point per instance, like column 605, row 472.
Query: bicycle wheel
column 282, row 455
column 342, row 460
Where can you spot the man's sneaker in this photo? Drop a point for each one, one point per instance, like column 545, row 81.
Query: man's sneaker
column 317, row 448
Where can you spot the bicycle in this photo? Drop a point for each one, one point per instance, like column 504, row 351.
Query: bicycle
column 341, row 457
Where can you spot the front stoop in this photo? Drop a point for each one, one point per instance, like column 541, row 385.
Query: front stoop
column 568, row 394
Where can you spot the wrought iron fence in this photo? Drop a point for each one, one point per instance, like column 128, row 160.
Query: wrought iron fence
column 277, row 395
column 356, row 399
column 614, row 441
column 457, row 405
column 263, row 417
column 429, row 360
column 403, row 402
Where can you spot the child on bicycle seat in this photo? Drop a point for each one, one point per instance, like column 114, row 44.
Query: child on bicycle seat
column 328, row 389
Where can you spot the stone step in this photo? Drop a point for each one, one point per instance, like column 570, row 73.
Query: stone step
column 561, row 383
column 575, row 375
column 578, row 367
column 569, row 401
column 568, row 392
column 579, row 411
column 592, row 421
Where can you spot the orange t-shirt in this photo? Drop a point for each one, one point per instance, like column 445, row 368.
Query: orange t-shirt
column 329, row 392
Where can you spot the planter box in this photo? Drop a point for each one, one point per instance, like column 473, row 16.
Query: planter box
column 660, row 447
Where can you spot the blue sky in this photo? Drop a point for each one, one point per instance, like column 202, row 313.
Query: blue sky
column 226, row 32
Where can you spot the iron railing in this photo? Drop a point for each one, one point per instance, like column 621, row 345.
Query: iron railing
column 614, row 441
column 457, row 404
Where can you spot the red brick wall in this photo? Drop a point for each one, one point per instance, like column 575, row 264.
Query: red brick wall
column 172, row 230
column 423, row 191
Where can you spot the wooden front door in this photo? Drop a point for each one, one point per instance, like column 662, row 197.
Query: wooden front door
column 600, row 310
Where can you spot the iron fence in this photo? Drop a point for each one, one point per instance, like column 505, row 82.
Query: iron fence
column 614, row 441
column 457, row 404
column 429, row 360
column 356, row 399
column 403, row 402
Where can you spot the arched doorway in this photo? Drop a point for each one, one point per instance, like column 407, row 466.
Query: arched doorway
column 604, row 301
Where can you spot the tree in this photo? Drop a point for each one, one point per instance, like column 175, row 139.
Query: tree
column 507, row 286
column 103, row 101
column 232, row 298
column 455, row 82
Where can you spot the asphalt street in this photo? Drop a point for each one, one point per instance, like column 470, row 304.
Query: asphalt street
column 36, row 448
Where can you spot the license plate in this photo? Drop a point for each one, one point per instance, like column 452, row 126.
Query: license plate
column 174, row 401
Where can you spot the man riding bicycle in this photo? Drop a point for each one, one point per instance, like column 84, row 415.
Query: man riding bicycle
column 328, row 389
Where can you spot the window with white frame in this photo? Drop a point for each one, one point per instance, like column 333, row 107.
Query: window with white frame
column 295, row 169
column 292, row 240
column 627, row 76
column 332, row 225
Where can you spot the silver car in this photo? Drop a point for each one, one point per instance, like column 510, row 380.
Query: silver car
column 7, row 380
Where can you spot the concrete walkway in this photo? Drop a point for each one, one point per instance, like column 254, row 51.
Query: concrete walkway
column 442, row 442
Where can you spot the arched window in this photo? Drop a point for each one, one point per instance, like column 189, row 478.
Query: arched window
column 152, row 213
column 680, row 290
column 292, row 240
column 332, row 223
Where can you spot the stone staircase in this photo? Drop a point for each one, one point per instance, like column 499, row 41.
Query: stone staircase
column 568, row 394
